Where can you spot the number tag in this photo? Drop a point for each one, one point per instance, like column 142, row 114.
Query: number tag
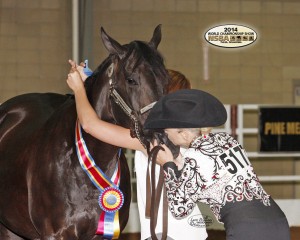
column 234, row 158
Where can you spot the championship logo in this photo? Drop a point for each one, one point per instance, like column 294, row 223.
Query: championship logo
column 230, row 36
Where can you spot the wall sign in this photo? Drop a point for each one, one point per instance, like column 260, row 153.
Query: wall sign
column 279, row 129
column 230, row 36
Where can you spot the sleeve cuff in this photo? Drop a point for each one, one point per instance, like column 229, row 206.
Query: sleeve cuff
column 168, row 165
column 171, row 165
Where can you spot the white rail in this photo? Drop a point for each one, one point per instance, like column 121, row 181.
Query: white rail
column 242, row 131
column 286, row 178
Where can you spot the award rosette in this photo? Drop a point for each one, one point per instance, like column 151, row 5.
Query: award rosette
column 111, row 199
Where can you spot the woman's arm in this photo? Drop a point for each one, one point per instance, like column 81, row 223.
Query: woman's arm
column 90, row 122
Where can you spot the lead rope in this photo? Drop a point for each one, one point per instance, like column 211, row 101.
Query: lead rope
column 153, row 193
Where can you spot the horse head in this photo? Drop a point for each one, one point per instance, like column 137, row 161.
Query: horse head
column 134, row 77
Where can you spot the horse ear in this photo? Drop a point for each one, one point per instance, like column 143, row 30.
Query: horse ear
column 156, row 38
column 112, row 45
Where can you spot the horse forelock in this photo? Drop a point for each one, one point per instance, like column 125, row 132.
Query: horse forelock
column 138, row 52
column 141, row 52
column 148, row 59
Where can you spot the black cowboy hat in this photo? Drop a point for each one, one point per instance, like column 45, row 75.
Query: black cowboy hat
column 187, row 108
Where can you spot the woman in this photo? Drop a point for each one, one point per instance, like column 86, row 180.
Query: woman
column 119, row 136
column 216, row 169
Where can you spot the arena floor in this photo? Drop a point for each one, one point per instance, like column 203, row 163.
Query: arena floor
column 212, row 235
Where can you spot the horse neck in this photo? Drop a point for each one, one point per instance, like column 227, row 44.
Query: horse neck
column 104, row 155
column 97, row 88
column 98, row 95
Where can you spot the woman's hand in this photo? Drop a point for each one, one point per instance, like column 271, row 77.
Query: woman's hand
column 164, row 155
column 79, row 68
column 74, row 81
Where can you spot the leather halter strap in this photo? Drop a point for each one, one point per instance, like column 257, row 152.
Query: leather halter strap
column 124, row 106
column 120, row 101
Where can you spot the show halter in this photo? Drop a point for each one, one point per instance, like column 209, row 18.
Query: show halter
column 111, row 198
column 124, row 106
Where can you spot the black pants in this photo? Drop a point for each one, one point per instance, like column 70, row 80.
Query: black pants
column 273, row 230
column 252, row 220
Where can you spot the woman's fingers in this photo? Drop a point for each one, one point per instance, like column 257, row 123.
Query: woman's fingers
column 72, row 63
column 73, row 66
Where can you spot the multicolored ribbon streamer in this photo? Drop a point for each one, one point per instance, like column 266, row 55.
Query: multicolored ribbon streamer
column 111, row 198
column 87, row 71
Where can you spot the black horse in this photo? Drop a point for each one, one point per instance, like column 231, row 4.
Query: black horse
column 44, row 193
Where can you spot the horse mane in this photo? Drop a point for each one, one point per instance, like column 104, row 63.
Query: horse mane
column 141, row 51
column 94, row 79
column 90, row 81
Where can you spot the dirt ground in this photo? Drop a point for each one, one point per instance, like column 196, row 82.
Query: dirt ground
column 212, row 235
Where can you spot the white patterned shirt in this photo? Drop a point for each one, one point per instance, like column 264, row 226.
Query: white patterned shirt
column 216, row 170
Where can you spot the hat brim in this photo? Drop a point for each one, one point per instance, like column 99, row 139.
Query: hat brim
column 188, row 108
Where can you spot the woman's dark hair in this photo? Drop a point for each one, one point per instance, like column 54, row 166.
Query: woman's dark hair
column 177, row 81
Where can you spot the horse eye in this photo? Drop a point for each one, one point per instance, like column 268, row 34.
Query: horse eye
column 131, row 81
